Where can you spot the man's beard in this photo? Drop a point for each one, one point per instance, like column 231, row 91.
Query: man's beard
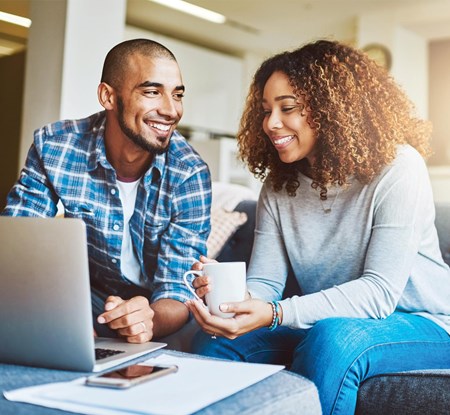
column 136, row 138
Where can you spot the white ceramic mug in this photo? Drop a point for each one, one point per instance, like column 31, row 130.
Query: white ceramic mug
column 228, row 284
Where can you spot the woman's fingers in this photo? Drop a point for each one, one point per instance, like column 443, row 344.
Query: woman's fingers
column 206, row 260
column 198, row 265
column 200, row 281
column 210, row 323
column 239, row 307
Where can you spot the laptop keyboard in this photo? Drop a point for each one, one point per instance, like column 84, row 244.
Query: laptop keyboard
column 104, row 353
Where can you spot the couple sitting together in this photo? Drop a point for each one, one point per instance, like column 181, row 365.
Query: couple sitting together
column 346, row 207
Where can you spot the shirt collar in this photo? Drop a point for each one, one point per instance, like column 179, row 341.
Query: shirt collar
column 98, row 150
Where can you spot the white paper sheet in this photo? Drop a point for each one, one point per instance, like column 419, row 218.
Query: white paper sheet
column 197, row 384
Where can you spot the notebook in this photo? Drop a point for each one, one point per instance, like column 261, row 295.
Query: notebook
column 45, row 300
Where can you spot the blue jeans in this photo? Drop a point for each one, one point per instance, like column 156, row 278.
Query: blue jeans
column 338, row 354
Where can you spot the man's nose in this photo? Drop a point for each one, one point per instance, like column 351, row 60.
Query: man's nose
column 168, row 106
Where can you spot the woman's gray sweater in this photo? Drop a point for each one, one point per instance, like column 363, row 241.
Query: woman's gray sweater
column 364, row 252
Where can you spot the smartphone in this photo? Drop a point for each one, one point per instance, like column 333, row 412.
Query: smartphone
column 129, row 376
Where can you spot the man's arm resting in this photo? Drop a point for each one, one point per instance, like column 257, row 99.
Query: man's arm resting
column 170, row 316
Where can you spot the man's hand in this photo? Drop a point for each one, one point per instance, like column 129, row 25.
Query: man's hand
column 132, row 319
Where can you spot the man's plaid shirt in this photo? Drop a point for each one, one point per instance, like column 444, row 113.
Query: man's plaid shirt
column 171, row 222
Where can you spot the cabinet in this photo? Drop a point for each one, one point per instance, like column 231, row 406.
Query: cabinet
column 440, row 183
column 221, row 155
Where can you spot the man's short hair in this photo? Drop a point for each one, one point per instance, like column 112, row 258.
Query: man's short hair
column 116, row 61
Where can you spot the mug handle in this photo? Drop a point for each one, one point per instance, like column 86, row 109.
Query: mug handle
column 186, row 282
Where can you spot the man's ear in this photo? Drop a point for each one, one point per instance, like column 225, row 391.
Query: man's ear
column 106, row 96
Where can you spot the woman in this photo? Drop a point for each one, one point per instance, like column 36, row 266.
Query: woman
column 347, row 207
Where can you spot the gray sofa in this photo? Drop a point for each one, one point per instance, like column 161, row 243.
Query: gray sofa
column 408, row 393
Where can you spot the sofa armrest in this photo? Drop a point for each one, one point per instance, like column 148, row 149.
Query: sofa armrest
column 412, row 393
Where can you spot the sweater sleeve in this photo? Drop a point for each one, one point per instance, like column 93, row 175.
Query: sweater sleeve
column 268, row 266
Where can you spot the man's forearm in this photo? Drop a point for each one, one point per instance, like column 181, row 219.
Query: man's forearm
column 170, row 316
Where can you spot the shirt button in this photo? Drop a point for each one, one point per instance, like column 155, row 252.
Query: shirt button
column 114, row 260
column 116, row 227
column 113, row 191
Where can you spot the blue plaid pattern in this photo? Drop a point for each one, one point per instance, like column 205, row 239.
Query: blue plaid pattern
column 169, row 228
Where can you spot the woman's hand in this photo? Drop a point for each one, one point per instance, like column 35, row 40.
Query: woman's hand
column 249, row 315
column 201, row 284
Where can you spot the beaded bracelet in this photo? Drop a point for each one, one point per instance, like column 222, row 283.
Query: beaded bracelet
column 275, row 318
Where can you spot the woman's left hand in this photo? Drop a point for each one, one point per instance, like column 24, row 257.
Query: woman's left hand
column 249, row 315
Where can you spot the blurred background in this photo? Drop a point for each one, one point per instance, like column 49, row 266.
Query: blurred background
column 52, row 52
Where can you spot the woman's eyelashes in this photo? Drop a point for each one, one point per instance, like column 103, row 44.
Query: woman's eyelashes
column 286, row 109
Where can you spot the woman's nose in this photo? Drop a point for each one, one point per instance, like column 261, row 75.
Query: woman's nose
column 274, row 122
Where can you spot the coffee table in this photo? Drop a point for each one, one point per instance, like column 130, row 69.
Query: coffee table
column 282, row 393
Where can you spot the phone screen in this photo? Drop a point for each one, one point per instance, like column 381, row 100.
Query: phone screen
column 132, row 372
column 129, row 376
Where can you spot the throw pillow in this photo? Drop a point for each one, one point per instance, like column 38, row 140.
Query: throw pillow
column 229, row 195
column 223, row 226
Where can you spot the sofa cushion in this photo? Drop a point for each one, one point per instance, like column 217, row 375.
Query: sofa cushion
column 223, row 226
column 406, row 393
column 229, row 195
column 239, row 247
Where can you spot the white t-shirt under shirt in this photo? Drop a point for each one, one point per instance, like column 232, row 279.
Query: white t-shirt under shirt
column 129, row 262
column 375, row 251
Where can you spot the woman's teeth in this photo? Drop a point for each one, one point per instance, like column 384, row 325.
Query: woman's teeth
column 283, row 140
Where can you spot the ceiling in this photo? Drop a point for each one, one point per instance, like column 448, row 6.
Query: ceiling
column 259, row 26
column 13, row 38
column 266, row 26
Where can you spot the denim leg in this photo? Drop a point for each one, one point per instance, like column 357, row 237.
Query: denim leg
column 338, row 354
column 259, row 346
column 98, row 299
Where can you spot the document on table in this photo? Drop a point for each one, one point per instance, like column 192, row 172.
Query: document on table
column 197, row 384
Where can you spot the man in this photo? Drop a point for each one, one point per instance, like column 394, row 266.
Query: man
column 142, row 191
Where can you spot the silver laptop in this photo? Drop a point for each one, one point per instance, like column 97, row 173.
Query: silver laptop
column 45, row 300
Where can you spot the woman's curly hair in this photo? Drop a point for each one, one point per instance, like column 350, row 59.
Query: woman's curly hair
column 359, row 112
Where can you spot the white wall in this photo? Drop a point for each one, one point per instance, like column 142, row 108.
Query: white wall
column 93, row 27
column 43, row 76
column 214, row 90
column 409, row 54
column 440, row 100
column 410, row 67
column 67, row 43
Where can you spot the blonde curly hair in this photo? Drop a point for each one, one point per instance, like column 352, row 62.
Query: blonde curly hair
column 358, row 111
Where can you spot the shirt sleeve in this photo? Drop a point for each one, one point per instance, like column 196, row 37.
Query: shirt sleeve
column 402, row 198
column 32, row 194
column 185, row 238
